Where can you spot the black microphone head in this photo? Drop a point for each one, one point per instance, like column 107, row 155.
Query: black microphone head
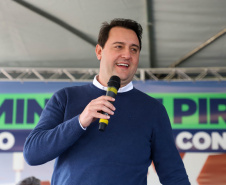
column 114, row 81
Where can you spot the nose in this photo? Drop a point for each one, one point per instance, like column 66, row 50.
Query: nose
column 126, row 54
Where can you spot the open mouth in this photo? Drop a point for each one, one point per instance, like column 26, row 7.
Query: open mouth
column 123, row 65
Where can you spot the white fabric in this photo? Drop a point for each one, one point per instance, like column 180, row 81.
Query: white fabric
column 126, row 88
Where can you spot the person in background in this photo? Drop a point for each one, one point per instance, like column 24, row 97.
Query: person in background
column 30, row 181
column 138, row 132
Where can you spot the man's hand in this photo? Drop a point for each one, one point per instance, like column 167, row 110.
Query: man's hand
column 94, row 108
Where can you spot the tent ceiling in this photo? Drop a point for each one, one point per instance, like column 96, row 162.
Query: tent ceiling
column 28, row 39
column 181, row 26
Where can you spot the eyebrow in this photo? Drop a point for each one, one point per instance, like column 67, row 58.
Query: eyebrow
column 124, row 44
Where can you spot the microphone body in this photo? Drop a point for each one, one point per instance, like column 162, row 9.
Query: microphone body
column 112, row 90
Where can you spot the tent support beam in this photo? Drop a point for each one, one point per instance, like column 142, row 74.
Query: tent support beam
column 87, row 74
column 150, row 19
column 58, row 21
column 199, row 48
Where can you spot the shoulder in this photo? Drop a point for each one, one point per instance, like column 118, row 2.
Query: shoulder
column 73, row 90
column 147, row 102
column 78, row 93
column 67, row 92
column 77, row 88
column 144, row 96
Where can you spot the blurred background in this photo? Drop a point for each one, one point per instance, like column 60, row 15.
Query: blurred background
column 48, row 45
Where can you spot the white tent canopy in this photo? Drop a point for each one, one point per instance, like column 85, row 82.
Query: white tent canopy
column 172, row 29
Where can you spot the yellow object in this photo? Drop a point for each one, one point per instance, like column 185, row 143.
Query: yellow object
column 112, row 89
column 104, row 121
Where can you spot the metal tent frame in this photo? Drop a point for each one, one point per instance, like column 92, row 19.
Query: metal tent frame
column 87, row 74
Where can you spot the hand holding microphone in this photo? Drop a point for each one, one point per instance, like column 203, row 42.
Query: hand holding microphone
column 100, row 107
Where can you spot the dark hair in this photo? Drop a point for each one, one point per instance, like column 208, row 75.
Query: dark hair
column 30, row 181
column 125, row 23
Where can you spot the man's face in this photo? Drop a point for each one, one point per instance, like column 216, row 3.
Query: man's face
column 120, row 56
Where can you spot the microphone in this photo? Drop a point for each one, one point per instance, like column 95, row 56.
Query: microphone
column 112, row 90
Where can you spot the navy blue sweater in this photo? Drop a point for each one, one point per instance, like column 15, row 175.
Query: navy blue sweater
column 137, row 133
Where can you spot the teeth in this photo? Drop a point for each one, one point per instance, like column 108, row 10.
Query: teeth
column 123, row 65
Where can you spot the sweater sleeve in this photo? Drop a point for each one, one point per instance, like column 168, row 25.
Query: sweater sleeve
column 166, row 158
column 52, row 135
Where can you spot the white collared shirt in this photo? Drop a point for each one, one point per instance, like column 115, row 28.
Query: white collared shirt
column 126, row 88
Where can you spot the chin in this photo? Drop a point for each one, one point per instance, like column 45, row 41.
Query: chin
column 124, row 78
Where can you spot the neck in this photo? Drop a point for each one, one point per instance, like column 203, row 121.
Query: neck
column 102, row 83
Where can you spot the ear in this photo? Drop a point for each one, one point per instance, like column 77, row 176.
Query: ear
column 98, row 51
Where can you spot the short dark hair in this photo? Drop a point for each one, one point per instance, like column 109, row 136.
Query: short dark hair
column 30, row 181
column 125, row 23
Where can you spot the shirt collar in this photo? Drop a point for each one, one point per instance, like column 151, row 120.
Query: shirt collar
column 126, row 88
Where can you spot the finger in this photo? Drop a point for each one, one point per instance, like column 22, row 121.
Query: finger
column 108, row 98
column 102, row 116
column 109, row 105
column 102, row 108
column 99, row 103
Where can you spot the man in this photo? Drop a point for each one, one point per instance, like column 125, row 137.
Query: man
column 139, row 130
